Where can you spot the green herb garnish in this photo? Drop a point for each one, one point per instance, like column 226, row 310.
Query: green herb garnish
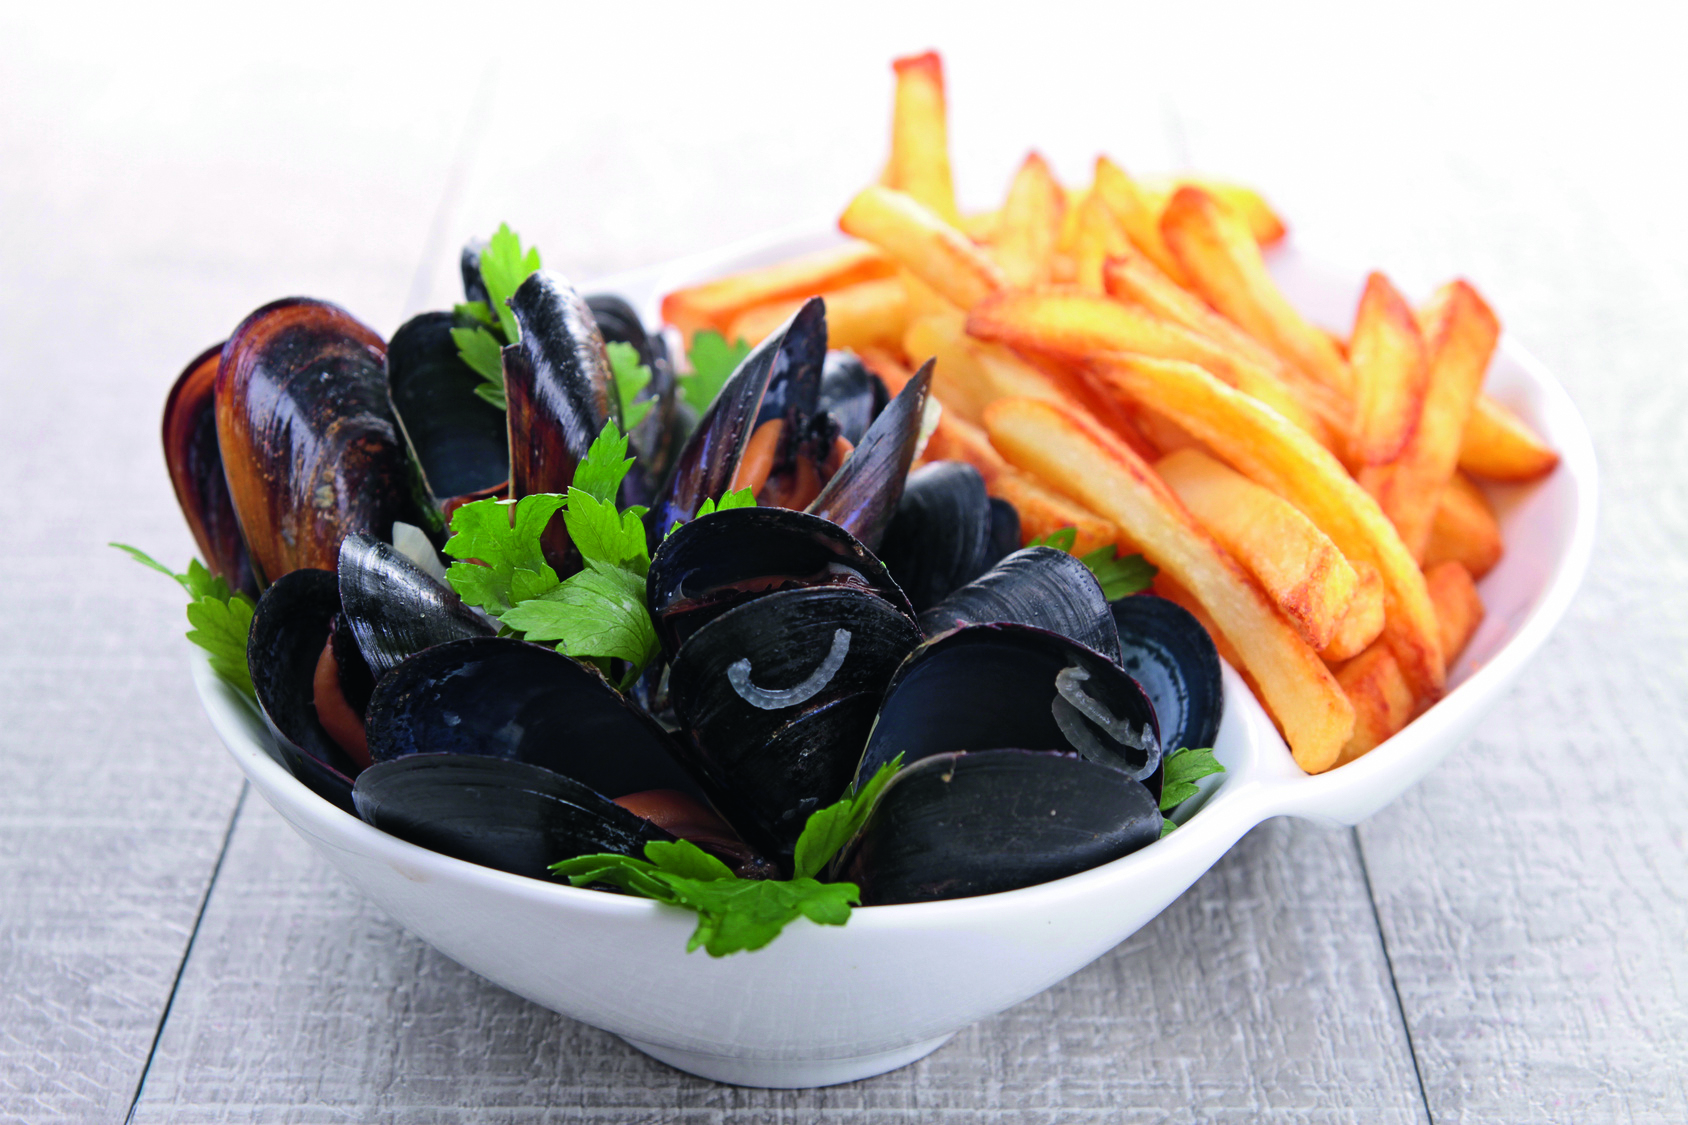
column 631, row 377
column 221, row 619
column 1062, row 539
column 712, row 360
column 1180, row 771
column 504, row 266
column 744, row 914
column 1119, row 575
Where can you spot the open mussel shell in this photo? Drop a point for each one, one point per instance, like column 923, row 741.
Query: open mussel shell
column 852, row 394
column 657, row 439
column 962, row 824
column 196, row 472
column 498, row 813
column 469, row 265
column 559, row 392
column 779, row 695
column 863, row 494
column 1169, row 654
column 987, row 687
column 457, row 438
column 394, row 608
column 726, row 558
column 1005, row 529
column 310, row 448
column 940, row 537
column 289, row 629
column 1037, row 586
column 496, row 697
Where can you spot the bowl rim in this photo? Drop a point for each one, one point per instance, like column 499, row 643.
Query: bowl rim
column 1247, row 802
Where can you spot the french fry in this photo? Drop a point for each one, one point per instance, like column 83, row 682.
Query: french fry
column 1263, row 446
column 1139, row 213
column 1458, row 605
column 1041, row 511
column 1460, row 333
column 1295, row 563
column 1073, row 326
column 1498, row 445
column 1250, row 205
column 1222, row 262
column 920, row 135
column 1390, row 374
column 1029, row 225
column 1134, row 279
column 865, row 315
column 1382, row 699
column 1464, row 529
column 1098, row 237
column 981, row 226
column 1363, row 622
column 1069, row 220
column 919, row 239
column 1078, row 458
column 971, row 374
column 715, row 304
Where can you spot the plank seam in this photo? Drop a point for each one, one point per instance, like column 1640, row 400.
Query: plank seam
column 187, row 951
column 1389, row 963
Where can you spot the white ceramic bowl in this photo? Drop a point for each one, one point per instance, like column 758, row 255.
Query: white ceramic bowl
column 825, row 1004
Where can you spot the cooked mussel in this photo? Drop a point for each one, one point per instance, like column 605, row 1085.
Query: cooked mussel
column 940, row 538
column 195, row 462
column 862, row 496
column 1169, row 654
column 852, row 394
column 457, row 438
column 394, row 608
column 955, row 825
column 310, row 448
column 1038, row 586
column 986, row 687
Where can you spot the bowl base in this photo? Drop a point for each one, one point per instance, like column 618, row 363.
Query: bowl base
column 787, row 1074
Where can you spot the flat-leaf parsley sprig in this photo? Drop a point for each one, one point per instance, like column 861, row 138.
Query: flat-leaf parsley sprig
column 1179, row 773
column 1119, row 575
column 504, row 266
column 221, row 618
column 737, row 914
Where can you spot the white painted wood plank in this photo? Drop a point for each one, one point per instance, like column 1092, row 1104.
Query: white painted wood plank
column 1261, row 995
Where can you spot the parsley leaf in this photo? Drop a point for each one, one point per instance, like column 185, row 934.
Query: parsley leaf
column 504, row 266
column 480, row 349
column 221, row 620
column 712, row 360
column 508, row 563
column 605, row 466
column 1180, row 771
column 598, row 614
column 478, row 311
column 1119, row 575
column 743, row 914
column 743, row 498
column 631, row 377
column 1061, row 540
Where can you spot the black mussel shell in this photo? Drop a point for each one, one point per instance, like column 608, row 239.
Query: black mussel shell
column 289, row 630
column 469, row 265
column 1005, row 530
column 852, row 394
column 712, row 564
column 987, row 687
column 457, row 438
column 196, row 471
column 396, row 609
column 958, row 825
column 559, row 392
column 310, row 447
column 1166, row 650
column 940, row 538
column 495, row 697
column 657, row 439
column 507, row 815
column 780, row 694
column 1038, row 586
column 705, row 467
column 863, row 494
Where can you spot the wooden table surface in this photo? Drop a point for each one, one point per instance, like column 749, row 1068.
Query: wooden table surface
column 1508, row 942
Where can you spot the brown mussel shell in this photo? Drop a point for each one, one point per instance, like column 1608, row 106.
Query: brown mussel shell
column 195, row 462
column 310, row 447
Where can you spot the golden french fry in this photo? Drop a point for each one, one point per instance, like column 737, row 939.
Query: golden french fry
column 1464, row 529
column 864, row 315
column 1139, row 213
column 1363, row 623
column 1460, row 333
column 1075, row 198
column 1222, row 262
column 1390, row 373
column 920, row 135
column 1382, row 699
column 919, row 239
column 1041, row 511
column 1458, row 605
column 1263, row 222
column 1263, row 446
column 1078, row 458
column 715, row 304
column 1072, row 325
column 1098, row 237
column 1029, row 224
column 1134, row 279
column 981, row 226
column 1294, row 562
column 1499, row 446
column 971, row 374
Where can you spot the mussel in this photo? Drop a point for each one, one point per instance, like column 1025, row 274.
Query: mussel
column 656, row 440
column 941, row 536
column 1037, row 586
column 457, row 437
column 394, row 608
column 195, row 462
column 852, row 394
column 1169, row 654
column 862, row 496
